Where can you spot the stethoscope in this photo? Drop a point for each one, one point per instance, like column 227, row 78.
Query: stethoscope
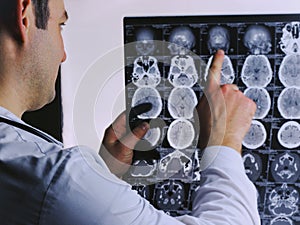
column 30, row 130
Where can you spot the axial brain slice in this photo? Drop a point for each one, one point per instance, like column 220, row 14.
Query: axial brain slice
column 289, row 71
column 262, row 99
column 153, row 136
column 181, row 134
column 170, row 196
column 285, row 167
column 289, row 135
column 227, row 72
column 175, row 162
column 182, row 71
column 148, row 95
column 289, row 103
column 146, row 72
column 283, row 200
column 256, row 71
column 290, row 40
column 253, row 165
column 256, row 135
column 181, row 102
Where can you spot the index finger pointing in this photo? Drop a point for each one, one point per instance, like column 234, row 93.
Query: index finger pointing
column 214, row 75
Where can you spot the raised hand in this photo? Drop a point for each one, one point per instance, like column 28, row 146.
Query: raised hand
column 225, row 113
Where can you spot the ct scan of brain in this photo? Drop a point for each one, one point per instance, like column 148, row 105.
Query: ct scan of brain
column 257, row 39
column 145, row 44
column 256, row 71
column 182, row 102
column 256, row 135
column 153, row 135
column 289, row 135
column 283, row 200
column 176, row 162
column 289, row 71
column 146, row 72
column 218, row 38
column 183, row 72
column 148, row 95
column 182, row 40
column 289, row 103
column 170, row 195
column 285, row 167
column 262, row 99
column 253, row 166
column 181, row 133
column 290, row 40
column 227, row 72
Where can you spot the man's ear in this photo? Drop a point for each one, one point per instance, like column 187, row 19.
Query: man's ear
column 24, row 16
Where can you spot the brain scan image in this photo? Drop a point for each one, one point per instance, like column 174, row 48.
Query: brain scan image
column 153, row 136
column 182, row 102
column 256, row 135
column 146, row 72
column 253, row 166
column 143, row 168
column 262, row 99
column 145, row 44
column 289, row 135
column 218, row 38
column 256, row 71
column 290, row 40
column 181, row 134
column 285, row 167
column 289, row 103
column 257, row 39
column 281, row 220
column 170, row 195
column 289, row 71
column 283, row 200
column 227, row 72
column 148, row 95
column 182, row 40
column 176, row 162
column 182, row 72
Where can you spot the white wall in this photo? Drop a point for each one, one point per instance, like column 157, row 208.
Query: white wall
column 93, row 39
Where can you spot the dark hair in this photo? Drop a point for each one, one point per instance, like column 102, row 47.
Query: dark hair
column 42, row 13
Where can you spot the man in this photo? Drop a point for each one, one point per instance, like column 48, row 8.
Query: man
column 43, row 183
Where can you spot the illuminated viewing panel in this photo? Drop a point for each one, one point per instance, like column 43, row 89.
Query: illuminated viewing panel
column 167, row 61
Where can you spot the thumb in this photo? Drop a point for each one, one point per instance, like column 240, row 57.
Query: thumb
column 131, row 139
column 214, row 76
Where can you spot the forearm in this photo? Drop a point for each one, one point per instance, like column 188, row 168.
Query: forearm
column 225, row 195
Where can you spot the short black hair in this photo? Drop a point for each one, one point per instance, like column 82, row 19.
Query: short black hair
column 40, row 7
column 42, row 13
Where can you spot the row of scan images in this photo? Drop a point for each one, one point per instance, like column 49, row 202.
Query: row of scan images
column 181, row 135
column 279, row 167
column 182, row 101
column 174, row 196
column 254, row 39
column 256, row 71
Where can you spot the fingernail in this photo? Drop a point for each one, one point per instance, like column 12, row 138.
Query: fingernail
column 220, row 52
column 144, row 126
column 235, row 88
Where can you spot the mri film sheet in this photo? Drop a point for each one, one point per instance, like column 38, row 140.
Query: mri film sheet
column 166, row 64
